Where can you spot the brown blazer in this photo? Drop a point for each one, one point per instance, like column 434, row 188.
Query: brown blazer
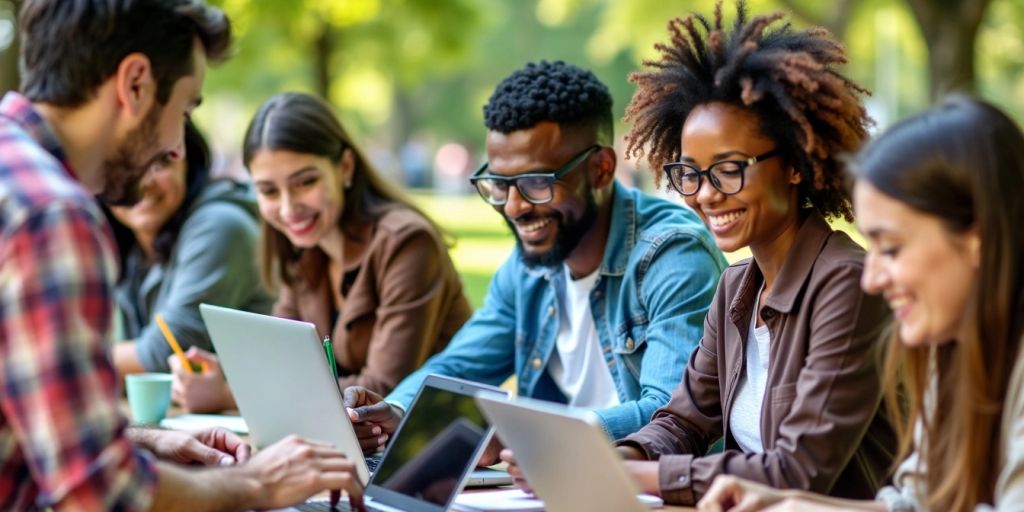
column 822, row 423
column 402, row 301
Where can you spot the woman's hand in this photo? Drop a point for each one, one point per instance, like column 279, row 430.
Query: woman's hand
column 204, row 391
column 734, row 494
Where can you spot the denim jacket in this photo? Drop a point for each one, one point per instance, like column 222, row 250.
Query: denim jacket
column 658, row 275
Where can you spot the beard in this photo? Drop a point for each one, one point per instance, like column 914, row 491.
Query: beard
column 126, row 167
column 569, row 234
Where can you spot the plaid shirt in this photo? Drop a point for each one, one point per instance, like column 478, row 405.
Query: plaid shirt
column 62, row 434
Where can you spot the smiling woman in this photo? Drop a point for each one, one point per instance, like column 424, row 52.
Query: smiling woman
column 188, row 240
column 936, row 195
column 748, row 122
column 348, row 253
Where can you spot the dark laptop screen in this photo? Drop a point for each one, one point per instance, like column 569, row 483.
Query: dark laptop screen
column 432, row 450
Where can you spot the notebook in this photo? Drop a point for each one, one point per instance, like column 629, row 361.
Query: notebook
column 434, row 450
column 566, row 457
column 282, row 384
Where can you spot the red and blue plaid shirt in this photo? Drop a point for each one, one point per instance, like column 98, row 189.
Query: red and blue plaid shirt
column 62, row 433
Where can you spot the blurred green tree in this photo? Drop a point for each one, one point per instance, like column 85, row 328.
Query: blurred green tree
column 8, row 45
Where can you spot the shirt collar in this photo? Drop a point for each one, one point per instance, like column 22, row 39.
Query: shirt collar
column 20, row 110
column 795, row 271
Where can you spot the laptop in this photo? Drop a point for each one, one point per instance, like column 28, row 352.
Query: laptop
column 282, row 384
column 433, row 453
column 565, row 455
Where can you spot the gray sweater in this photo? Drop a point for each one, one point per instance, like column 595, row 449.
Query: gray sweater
column 213, row 261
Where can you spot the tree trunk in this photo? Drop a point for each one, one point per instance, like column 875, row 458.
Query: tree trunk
column 9, row 56
column 950, row 28
column 323, row 46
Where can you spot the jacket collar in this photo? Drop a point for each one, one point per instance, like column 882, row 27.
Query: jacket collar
column 621, row 237
column 795, row 272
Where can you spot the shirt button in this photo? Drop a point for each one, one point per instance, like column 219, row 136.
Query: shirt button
column 629, row 344
column 537, row 363
column 683, row 479
column 551, row 311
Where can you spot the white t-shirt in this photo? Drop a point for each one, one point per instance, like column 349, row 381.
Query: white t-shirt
column 578, row 365
column 745, row 416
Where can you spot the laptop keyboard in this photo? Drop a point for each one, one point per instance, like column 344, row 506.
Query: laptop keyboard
column 373, row 461
column 325, row 506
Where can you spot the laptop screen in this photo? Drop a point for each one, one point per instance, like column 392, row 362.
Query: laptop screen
column 434, row 447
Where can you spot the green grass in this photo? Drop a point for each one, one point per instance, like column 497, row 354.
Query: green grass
column 483, row 241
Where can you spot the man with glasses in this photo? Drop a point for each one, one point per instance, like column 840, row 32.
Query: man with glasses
column 604, row 297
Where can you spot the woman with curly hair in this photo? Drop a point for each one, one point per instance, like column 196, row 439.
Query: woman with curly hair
column 748, row 124
column 936, row 197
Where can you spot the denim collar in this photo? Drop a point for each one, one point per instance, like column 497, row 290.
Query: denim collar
column 620, row 242
column 621, row 232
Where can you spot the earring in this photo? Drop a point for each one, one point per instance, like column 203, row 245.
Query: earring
column 348, row 184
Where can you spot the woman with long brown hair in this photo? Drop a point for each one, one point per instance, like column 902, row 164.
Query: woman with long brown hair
column 347, row 251
column 938, row 198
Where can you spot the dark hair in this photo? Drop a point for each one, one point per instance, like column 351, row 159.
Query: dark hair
column 70, row 47
column 302, row 123
column 197, row 175
column 550, row 91
column 962, row 162
column 786, row 77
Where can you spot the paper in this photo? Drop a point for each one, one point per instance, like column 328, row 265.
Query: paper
column 507, row 500
column 235, row 424
column 515, row 500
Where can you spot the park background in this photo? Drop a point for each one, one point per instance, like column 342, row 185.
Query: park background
column 409, row 78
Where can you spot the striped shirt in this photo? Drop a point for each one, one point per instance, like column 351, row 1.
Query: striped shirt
column 62, row 433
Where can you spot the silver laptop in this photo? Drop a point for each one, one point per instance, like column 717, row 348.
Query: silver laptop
column 565, row 455
column 433, row 453
column 278, row 373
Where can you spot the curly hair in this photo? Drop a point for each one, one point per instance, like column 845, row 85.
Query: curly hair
column 550, row 91
column 786, row 77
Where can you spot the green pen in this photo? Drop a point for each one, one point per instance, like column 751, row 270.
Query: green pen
column 329, row 351
column 335, row 495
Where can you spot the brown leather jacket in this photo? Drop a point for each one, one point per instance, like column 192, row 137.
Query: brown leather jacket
column 822, row 423
column 403, row 302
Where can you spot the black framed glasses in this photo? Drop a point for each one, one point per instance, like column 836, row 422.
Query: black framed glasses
column 535, row 187
column 726, row 176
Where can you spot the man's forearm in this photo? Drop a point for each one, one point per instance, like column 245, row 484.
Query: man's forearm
column 181, row 488
column 144, row 437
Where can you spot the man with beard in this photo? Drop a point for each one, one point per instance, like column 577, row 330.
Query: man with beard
column 106, row 87
column 604, row 297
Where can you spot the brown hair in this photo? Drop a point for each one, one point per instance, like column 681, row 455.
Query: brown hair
column 962, row 162
column 306, row 124
column 787, row 78
column 70, row 47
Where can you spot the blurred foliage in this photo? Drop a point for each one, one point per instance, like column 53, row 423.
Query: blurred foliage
column 400, row 70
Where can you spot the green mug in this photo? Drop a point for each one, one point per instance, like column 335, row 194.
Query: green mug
column 149, row 396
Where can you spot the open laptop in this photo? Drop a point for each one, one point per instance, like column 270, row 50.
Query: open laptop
column 565, row 456
column 433, row 453
column 278, row 373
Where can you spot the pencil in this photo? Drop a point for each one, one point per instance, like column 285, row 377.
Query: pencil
column 173, row 342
